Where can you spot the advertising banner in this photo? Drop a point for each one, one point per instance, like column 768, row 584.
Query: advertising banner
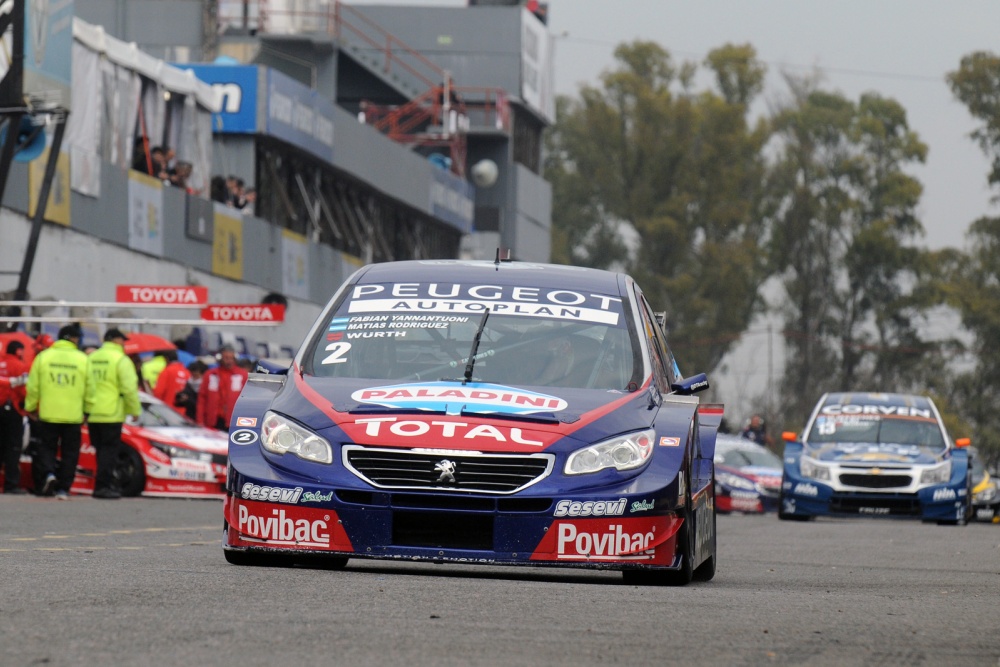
column 160, row 295
column 57, row 208
column 536, row 66
column 294, row 264
column 227, row 243
column 145, row 213
column 299, row 115
column 452, row 200
column 244, row 312
column 238, row 84
column 48, row 46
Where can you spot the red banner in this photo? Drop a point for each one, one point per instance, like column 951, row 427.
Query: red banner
column 181, row 295
column 234, row 312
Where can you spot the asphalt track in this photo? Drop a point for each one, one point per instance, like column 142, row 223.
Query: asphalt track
column 143, row 582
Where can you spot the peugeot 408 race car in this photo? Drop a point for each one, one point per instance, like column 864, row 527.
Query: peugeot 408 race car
column 881, row 455
column 478, row 412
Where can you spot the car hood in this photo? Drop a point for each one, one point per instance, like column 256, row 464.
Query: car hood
column 874, row 454
column 191, row 437
column 763, row 474
column 450, row 415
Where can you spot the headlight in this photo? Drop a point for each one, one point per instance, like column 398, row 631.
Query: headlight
column 986, row 495
column 625, row 452
column 175, row 452
column 279, row 435
column 813, row 470
column 937, row 475
column 729, row 479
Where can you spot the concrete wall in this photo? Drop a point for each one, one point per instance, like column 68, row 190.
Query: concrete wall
column 480, row 46
column 168, row 30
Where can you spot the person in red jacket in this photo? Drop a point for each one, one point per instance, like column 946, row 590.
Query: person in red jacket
column 220, row 387
column 13, row 378
column 173, row 378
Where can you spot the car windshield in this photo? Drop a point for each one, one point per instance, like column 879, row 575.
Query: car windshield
column 877, row 429
column 570, row 340
column 159, row 414
column 742, row 458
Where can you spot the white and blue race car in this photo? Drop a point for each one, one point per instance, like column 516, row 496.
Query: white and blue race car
column 478, row 412
column 879, row 455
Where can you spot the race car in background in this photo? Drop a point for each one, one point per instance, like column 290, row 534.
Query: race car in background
column 747, row 476
column 985, row 494
column 498, row 413
column 879, row 455
column 163, row 454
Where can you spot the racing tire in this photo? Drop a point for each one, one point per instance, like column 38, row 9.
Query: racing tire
column 706, row 571
column 130, row 471
column 784, row 516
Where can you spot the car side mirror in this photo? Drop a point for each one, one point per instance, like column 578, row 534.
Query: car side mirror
column 691, row 385
column 963, row 442
column 789, row 436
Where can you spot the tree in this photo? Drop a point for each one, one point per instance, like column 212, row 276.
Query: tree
column 972, row 286
column 842, row 241
column 976, row 83
column 685, row 171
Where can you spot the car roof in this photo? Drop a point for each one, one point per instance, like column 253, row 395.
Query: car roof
column 874, row 398
column 556, row 276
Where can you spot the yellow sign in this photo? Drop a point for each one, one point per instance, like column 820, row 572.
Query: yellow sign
column 57, row 208
column 227, row 246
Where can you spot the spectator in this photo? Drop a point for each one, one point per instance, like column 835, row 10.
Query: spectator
column 237, row 194
column 250, row 205
column 13, row 377
column 151, row 369
column 57, row 388
column 180, row 175
column 220, row 387
column 172, row 381
column 218, row 191
column 187, row 398
column 756, row 431
column 141, row 160
column 161, row 169
column 114, row 393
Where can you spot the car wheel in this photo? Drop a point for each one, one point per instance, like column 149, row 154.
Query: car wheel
column 130, row 471
column 784, row 516
column 706, row 571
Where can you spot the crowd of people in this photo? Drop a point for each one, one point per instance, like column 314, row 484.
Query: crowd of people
column 64, row 388
column 161, row 163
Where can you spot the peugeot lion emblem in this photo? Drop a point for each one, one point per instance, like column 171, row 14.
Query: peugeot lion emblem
column 447, row 470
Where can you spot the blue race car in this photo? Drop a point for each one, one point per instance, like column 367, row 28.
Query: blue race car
column 478, row 412
column 880, row 455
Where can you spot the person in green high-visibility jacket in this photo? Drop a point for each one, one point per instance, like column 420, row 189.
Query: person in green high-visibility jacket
column 114, row 393
column 57, row 390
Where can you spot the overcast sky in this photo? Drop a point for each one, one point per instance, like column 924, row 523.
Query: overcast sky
column 898, row 48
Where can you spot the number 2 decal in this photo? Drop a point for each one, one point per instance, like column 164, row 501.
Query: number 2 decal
column 337, row 352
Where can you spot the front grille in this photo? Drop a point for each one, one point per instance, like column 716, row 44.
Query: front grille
column 875, row 481
column 458, row 471
column 875, row 505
